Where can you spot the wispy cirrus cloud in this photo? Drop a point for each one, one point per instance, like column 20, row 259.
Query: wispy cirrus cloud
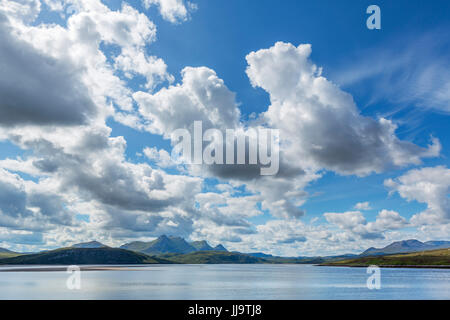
column 407, row 71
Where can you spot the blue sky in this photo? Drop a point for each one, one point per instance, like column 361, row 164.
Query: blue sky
column 221, row 34
column 399, row 73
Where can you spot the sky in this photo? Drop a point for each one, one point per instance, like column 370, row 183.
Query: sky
column 91, row 91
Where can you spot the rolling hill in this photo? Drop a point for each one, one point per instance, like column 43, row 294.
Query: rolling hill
column 80, row 256
column 213, row 257
column 225, row 257
column 5, row 253
column 431, row 258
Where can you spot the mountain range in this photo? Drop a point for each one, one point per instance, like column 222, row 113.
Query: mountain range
column 439, row 258
column 407, row 246
column 165, row 245
column 177, row 250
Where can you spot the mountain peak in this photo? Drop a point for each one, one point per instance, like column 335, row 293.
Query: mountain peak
column 89, row 245
column 202, row 245
column 162, row 238
column 220, row 247
column 411, row 242
column 161, row 245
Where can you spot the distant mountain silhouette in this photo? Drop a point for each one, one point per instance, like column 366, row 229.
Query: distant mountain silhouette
column 407, row 246
column 161, row 245
column 260, row 255
column 165, row 244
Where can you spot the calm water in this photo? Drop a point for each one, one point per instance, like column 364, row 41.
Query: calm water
column 229, row 282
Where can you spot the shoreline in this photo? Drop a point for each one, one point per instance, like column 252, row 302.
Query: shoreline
column 388, row 266
column 64, row 268
column 136, row 267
